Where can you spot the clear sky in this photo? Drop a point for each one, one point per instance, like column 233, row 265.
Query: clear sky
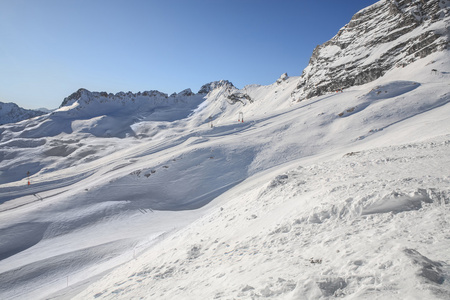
column 51, row 48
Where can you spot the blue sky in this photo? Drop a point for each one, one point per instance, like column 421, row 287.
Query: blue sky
column 51, row 48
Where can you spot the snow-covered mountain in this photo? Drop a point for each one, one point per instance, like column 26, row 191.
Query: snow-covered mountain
column 242, row 193
column 12, row 113
column 389, row 34
column 45, row 110
column 105, row 112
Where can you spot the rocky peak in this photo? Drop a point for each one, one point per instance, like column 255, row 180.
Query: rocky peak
column 85, row 104
column 83, row 95
column 239, row 97
column 206, row 88
column 186, row 93
column 282, row 78
column 74, row 97
column 383, row 36
column 12, row 113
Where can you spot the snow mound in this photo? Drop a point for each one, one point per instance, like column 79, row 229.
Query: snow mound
column 396, row 203
column 392, row 89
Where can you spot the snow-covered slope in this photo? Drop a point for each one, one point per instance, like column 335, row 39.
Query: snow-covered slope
column 368, row 225
column 233, row 193
column 11, row 113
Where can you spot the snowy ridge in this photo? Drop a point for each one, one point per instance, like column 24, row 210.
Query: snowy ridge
column 205, row 89
column 11, row 113
column 85, row 104
column 363, row 51
column 110, row 115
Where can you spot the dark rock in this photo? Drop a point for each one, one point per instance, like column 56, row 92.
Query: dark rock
column 206, row 88
column 282, row 78
column 239, row 97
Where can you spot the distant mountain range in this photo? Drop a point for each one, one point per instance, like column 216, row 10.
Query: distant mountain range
column 12, row 113
column 360, row 52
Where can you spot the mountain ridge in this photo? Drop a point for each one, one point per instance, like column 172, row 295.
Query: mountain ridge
column 362, row 51
column 12, row 113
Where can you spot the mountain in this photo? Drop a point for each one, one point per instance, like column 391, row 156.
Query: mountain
column 241, row 193
column 45, row 110
column 387, row 35
column 12, row 113
column 111, row 115
column 84, row 104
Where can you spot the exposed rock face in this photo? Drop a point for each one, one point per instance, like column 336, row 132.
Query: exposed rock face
column 282, row 78
column 187, row 93
column 206, row 88
column 239, row 97
column 383, row 36
column 12, row 113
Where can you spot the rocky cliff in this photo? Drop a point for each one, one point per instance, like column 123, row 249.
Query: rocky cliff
column 388, row 34
column 206, row 88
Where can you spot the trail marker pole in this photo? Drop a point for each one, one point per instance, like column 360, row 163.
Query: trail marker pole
column 211, row 122
column 241, row 117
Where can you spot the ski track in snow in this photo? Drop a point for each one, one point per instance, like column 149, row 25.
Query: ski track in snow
column 344, row 195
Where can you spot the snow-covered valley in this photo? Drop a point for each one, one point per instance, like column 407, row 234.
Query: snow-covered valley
column 234, row 193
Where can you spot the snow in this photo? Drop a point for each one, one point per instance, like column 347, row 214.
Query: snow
column 68, row 107
column 343, row 195
column 322, row 229
column 12, row 113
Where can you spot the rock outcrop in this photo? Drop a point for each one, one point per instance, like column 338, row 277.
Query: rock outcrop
column 282, row 78
column 206, row 88
column 385, row 35
column 239, row 97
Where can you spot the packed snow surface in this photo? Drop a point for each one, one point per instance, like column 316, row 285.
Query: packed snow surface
column 343, row 195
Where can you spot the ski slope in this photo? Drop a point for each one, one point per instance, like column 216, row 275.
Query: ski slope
column 344, row 195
